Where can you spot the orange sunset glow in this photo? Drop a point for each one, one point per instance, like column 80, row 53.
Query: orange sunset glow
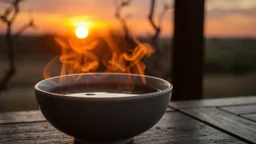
column 224, row 18
column 82, row 32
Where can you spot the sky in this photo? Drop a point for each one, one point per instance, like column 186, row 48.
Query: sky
column 224, row 18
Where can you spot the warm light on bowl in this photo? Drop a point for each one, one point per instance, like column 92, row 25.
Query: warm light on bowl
column 82, row 32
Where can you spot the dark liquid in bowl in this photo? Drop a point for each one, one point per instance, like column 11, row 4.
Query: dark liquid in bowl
column 103, row 90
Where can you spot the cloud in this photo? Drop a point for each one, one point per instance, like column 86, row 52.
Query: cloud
column 225, row 8
column 231, row 4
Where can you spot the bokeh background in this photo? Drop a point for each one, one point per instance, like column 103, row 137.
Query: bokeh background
column 230, row 47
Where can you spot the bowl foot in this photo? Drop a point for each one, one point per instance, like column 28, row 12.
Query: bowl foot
column 124, row 141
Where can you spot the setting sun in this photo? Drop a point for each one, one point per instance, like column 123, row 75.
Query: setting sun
column 82, row 32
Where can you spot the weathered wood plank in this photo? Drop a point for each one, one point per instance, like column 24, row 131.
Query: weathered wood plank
column 173, row 128
column 35, row 136
column 237, row 126
column 169, row 109
column 177, row 128
column 25, row 128
column 36, row 141
column 250, row 116
column 29, row 116
column 241, row 109
column 19, row 117
column 214, row 102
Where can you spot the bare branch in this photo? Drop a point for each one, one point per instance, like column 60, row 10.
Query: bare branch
column 165, row 9
column 8, row 19
column 151, row 15
column 16, row 3
column 119, row 7
column 154, row 62
column 23, row 28
column 157, row 29
column 4, row 17
column 8, row 11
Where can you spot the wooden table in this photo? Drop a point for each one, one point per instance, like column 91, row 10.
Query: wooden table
column 229, row 120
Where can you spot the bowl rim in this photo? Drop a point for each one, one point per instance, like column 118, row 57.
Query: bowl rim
column 146, row 95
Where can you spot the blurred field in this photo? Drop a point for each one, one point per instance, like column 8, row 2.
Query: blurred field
column 217, row 86
column 230, row 66
column 230, row 56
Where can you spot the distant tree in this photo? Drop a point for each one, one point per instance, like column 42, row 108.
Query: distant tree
column 153, row 62
column 157, row 27
column 120, row 4
column 8, row 18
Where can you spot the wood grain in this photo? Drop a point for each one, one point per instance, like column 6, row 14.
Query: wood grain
column 237, row 126
column 214, row 102
column 29, row 116
column 173, row 128
column 242, row 109
column 250, row 116
column 19, row 117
